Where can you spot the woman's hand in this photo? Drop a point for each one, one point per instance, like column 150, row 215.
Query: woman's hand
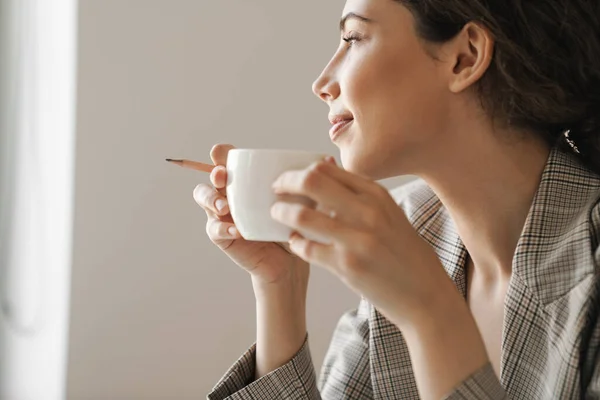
column 372, row 246
column 279, row 277
column 375, row 250
column 268, row 263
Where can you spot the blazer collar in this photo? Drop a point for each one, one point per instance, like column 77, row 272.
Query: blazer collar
column 557, row 244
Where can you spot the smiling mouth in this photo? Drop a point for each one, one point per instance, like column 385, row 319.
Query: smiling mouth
column 339, row 127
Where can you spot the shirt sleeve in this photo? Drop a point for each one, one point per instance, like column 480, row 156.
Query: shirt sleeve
column 345, row 372
column 294, row 380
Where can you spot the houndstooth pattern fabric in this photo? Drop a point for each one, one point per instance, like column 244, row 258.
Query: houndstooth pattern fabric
column 551, row 333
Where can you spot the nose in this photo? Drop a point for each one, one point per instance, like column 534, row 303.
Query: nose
column 326, row 86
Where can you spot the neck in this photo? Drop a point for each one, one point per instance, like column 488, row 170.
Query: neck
column 487, row 184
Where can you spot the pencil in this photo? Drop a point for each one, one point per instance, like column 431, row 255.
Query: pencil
column 198, row 166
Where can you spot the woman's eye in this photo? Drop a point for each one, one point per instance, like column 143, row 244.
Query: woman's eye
column 351, row 39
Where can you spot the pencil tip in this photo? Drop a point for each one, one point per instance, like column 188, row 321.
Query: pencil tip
column 170, row 159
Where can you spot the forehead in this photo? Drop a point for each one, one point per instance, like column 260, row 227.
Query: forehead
column 364, row 6
column 388, row 14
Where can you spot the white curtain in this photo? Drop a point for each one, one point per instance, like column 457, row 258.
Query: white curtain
column 37, row 104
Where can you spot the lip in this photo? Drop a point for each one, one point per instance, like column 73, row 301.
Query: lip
column 339, row 127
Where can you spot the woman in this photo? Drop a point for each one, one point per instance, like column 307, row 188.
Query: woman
column 481, row 280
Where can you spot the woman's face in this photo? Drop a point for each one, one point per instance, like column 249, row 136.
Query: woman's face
column 382, row 79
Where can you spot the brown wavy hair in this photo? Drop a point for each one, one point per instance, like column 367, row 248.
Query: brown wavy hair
column 545, row 71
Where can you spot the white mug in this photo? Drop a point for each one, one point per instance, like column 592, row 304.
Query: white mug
column 250, row 175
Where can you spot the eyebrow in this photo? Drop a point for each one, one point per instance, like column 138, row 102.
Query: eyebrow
column 352, row 15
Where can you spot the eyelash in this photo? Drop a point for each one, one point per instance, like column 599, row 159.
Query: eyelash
column 351, row 38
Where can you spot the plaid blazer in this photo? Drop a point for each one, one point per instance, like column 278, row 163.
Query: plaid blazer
column 551, row 332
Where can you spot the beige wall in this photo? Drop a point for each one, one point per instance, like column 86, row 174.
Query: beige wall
column 157, row 311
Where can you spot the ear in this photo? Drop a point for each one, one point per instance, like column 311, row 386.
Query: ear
column 471, row 53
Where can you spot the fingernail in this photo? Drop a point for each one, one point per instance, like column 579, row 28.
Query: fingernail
column 220, row 204
column 232, row 231
column 330, row 159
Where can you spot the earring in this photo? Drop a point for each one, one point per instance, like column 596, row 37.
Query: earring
column 571, row 142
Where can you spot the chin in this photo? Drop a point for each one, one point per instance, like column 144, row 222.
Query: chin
column 369, row 167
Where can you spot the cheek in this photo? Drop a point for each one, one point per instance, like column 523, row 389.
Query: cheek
column 397, row 104
column 394, row 97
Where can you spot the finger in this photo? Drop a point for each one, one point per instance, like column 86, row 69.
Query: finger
column 312, row 222
column 209, row 199
column 354, row 182
column 218, row 177
column 313, row 252
column 327, row 192
column 223, row 218
column 218, row 230
column 218, row 153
